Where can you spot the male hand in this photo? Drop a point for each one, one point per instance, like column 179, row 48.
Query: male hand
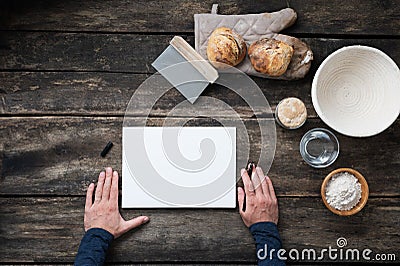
column 261, row 202
column 103, row 212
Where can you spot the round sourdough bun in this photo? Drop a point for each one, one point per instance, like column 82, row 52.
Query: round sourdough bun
column 271, row 57
column 227, row 47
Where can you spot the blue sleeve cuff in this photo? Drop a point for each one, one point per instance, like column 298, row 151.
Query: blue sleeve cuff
column 263, row 226
column 268, row 242
column 93, row 247
column 266, row 233
column 100, row 232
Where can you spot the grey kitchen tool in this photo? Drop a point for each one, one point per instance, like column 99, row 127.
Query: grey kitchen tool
column 185, row 69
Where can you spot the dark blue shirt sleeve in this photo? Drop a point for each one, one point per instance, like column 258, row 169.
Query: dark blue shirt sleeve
column 268, row 242
column 93, row 247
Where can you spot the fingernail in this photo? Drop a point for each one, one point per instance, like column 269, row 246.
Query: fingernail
column 267, row 177
column 146, row 219
column 242, row 171
column 115, row 172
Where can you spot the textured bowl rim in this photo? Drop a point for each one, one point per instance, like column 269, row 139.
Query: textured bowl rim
column 364, row 191
column 314, row 90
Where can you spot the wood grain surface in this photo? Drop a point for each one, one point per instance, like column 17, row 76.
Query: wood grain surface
column 127, row 53
column 61, row 156
column 64, row 84
column 43, row 229
column 314, row 16
column 67, row 72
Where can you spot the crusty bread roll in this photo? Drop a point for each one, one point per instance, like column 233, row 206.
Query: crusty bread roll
column 271, row 57
column 225, row 46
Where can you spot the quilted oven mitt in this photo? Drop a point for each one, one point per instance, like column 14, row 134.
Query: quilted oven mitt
column 253, row 27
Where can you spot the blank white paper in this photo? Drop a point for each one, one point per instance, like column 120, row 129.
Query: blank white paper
column 174, row 167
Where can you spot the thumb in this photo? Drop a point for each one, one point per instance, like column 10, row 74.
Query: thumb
column 135, row 222
column 240, row 199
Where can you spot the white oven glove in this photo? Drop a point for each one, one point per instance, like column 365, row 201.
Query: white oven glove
column 253, row 27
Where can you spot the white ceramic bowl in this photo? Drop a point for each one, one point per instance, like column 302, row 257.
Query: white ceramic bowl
column 356, row 91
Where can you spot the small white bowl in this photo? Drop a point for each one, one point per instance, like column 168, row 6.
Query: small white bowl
column 356, row 91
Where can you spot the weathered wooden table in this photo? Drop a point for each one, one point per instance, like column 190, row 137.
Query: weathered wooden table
column 67, row 72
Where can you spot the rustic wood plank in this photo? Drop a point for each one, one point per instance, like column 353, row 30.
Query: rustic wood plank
column 316, row 16
column 130, row 53
column 50, row 229
column 48, row 93
column 80, row 52
column 71, row 93
column 86, row 93
column 60, row 155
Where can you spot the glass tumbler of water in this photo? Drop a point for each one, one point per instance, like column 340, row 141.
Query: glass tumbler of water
column 319, row 147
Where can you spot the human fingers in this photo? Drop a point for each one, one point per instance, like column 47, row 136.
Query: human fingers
column 107, row 184
column 264, row 184
column 99, row 188
column 256, row 180
column 240, row 199
column 133, row 223
column 248, row 185
column 89, row 197
column 114, row 188
column 271, row 188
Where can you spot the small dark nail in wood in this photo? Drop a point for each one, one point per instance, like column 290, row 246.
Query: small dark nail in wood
column 106, row 149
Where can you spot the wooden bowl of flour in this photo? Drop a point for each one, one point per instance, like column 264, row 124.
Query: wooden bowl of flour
column 334, row 175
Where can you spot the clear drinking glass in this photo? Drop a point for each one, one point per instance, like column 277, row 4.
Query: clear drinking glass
column 319, row 147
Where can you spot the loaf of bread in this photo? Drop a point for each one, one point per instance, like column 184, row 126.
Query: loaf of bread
column 225, row 47
column 270, row 56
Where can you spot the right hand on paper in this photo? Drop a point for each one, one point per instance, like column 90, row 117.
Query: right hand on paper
column 261, row 202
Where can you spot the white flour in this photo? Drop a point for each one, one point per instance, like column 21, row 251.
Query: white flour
column 343, row 191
